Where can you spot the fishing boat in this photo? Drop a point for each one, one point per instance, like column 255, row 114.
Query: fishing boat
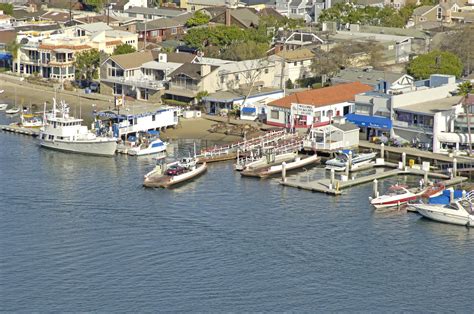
column 339, row 163
column 167, row 175
column 12, row 110
column 459, row 211
column 30, row 121
column 3, row 107
column 296, row 163
column 397, row 195
column 148, row 143
column 66, row 133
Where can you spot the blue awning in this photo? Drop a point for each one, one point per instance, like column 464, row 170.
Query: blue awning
column 5, row 56
column 248, row 110
column 370, row 121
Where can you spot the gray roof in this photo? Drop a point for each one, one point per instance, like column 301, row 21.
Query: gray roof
column 346, row 126
column 153, row 11
column 159, row 24
column 236, row 94
column 433, row 106
column 192, row 70
column 371, row 77
column 183, row 18
column 295, row 3
column 423, row 9
column 409, row 32
column 95, row 27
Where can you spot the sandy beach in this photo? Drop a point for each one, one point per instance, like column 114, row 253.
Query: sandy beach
column 197, row 128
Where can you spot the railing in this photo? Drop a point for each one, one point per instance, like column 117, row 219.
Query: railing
column 150, row 84
column 405, row 124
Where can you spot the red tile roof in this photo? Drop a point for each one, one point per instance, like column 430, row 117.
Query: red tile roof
column 323, row 96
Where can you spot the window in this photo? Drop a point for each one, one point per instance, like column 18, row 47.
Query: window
column 295, row 64
column 266, row 71
column 153, row 118
column 275, row 114
column 193, row 8
column 439, row 13
column 154, row 33
column 174, row 30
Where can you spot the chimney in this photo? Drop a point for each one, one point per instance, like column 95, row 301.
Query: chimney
column 227, row 17
column 205, row 69
column 162, row 57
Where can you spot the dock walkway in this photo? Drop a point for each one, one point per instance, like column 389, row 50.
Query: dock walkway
column 19, row 130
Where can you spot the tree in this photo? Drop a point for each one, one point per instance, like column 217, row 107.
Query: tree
column 87, row 64
column 289, row 84
column 464, row 90
column 123, row 49
column 199, row 18
column 435, row 62
column 461, row 43
column 7, row 8
column 239, row 51
column 97, row 5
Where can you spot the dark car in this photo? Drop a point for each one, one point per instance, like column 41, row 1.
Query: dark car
column 175, row 170
column 94, row 87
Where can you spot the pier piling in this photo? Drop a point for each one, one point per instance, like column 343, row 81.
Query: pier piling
column 455, row 168
column 404, row 160
column 283, row 171
column 376, row 189
column 382, row 150
column 333, row 176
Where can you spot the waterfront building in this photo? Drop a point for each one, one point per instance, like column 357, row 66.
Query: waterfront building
column 315, row 107
column 52, row 55
column 292, row 65
column 367, row 75
column 339, row 135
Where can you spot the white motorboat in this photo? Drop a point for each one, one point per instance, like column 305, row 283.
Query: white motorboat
column 397, row 195
column 1, row 91
column 458, row 212
column 296, row 163
column 3, row 107
column 66, row 133
column 167, row 175
column 30, row 121
column 147, row 145
column 12, row 110
column 339, row 163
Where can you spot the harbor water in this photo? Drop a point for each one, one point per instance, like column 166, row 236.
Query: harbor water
column 80, row 233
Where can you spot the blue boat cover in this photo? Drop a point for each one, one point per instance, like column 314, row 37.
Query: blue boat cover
column 443, row 199
column 369, row 121
column 248, row 110
column 157, row 144
column 153, row 132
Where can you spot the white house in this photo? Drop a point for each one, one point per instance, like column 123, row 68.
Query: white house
column 292, row 65
column 315, row 107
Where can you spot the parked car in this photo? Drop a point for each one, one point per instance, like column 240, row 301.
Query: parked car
column 175, row 170
column 94, row 87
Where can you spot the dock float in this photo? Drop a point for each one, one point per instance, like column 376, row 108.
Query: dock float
column 19, row 130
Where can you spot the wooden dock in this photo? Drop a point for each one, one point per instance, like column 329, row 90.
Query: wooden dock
column 325, row 186
column 19, row 130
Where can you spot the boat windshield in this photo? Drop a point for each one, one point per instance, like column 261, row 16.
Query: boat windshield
column 342, row 157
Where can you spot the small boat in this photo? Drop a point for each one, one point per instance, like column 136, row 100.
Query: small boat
column 267, row 160
column 148, row 147
column 30, row 121
column 167, row 175
column 12, row 110
column 339, row 163
column 276, row 169
column 433, row 191
column 458, row 212
column 1, row 91
column 3, row 107
column 397, row 195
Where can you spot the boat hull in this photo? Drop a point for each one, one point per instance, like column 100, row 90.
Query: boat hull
column 99, row 148
column 444, row 216
column 165, row 181
column 392, row 202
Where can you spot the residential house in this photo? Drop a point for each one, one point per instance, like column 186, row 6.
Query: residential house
column 296, row 9
column 141, row 75
column 369, row 76
column 190, row 79
column 160, row 29
column 292, row 65
column 196, row 5
column 148, row 14
column 56, row 16
column 446, row 12
column 296, row 40
column 52, row 55
column 6, row 38
column 240, row 17
column 315, row 107
column 5, row 20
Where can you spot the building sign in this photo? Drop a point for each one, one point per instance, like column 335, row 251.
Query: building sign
column 302, row 110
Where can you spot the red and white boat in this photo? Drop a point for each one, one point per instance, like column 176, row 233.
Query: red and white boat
column 433, row 191
column 397, row 195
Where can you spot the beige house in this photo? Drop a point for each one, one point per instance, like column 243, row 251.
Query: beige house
column 446, row 12
column 292, row 65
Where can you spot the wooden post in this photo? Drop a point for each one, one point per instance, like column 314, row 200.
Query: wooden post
column 376, row 189
column 333, row 176
column 382, row 150
column 347, row 169
column 350, row 162
column 425, row 178
column 451, row 195
column 283, row 171
column 404, row 159
column 455, row 168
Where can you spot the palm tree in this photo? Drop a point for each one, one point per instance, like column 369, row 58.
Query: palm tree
column 464, row 90
column 13, row 48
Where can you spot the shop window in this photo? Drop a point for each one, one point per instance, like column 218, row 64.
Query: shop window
column 275, row 114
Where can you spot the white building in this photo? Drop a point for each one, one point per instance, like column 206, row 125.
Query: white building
column 339, row 135
column 315, row 107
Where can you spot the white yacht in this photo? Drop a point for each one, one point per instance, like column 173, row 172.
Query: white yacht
column 66, row 133
column 339, row 163
column 459, row 212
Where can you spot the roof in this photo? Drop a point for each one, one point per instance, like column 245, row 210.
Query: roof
column 7, row 37
column 132, row 60
column 192, row 70
column 244, row 66
column 160, row 12
column 95, row 27
column 237, row 94
column 371, row 77
column 170, row 66
column 208, row 2
column 296, row 55
column 183, row 18
column 433, row 106
column 180, row 57
column 346, row 126
column 159, row 24
column 246, row 16
column 95, row 19
column 410, row 32
column 270, row 12
column 56, row 16
column 423, row 9
column 324, row 96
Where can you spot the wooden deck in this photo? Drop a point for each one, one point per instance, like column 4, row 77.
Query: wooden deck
column 19, row 130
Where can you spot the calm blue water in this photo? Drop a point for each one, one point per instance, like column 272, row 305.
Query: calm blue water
column 79, row 233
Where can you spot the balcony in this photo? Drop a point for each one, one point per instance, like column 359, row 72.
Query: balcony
column 141, row 83
column 192, row 87
column 461, row 121
column 412, row 126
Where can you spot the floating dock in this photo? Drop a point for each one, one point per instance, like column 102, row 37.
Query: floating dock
column 19, row 130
